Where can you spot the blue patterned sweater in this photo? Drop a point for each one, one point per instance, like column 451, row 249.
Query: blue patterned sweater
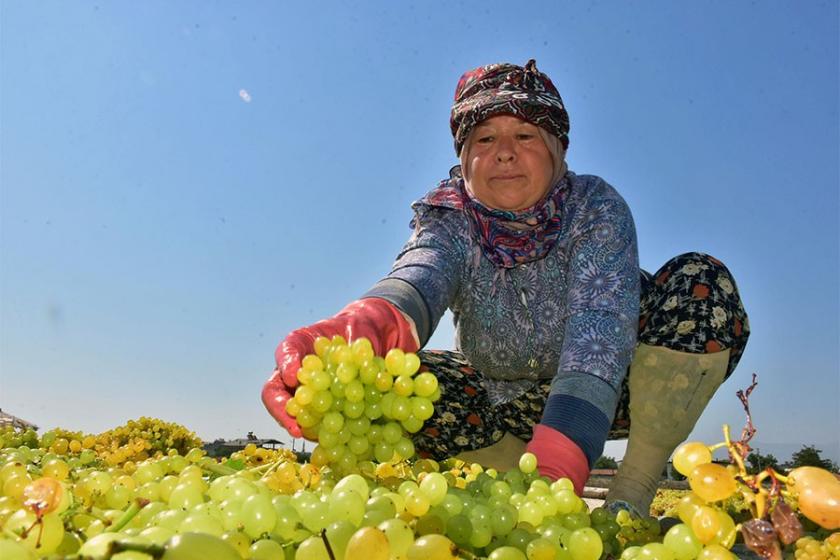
column 570, row 317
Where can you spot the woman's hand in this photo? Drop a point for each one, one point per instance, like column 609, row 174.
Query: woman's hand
column 373, row 318
column 559, row 457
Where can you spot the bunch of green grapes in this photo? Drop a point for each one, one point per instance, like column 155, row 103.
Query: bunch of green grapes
column 359, row 406
column 253, row 456
column 809, row 548
column 11, row 436
column 152, row 434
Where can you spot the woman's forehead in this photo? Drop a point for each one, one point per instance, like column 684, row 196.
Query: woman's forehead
column 504, row 120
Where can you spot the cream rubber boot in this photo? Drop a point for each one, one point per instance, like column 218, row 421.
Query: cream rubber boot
column 502, row 455
column 668, row 392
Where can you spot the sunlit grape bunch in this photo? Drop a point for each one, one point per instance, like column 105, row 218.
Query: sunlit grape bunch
column 358, row 406
column 10, row 436
column 809, row 548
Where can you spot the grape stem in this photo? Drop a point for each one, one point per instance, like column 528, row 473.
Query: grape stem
column 129, row 514
column 327, row 544
column 216, row 468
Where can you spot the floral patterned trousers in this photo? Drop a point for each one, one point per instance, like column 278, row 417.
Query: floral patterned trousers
column 690, row 305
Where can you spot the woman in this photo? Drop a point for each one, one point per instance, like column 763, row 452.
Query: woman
column 562, row 340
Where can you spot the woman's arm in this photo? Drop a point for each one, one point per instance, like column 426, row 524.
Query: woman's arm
column 426, row 275
column 603, row 308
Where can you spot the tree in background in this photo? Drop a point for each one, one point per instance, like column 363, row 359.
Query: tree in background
column 604, row 462
column 756, row 462
column 809, row 456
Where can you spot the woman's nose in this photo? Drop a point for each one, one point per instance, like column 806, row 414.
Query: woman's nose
column 505, row 151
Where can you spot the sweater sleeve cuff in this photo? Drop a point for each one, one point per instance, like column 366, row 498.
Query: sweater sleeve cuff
column 408, row 300
column 582, row 422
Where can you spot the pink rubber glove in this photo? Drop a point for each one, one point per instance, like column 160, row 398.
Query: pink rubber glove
column 375, row 319
column 559, row 457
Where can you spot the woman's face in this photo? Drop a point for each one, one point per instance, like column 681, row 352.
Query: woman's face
column 509, row 166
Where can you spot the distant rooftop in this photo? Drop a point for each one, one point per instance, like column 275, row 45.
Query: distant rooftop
column 7, row 419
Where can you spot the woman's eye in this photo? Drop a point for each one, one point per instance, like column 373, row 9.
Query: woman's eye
column 525, row 136
column 485, row 139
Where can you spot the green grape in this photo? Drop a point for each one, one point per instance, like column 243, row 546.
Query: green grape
column 688, row 506
column 367, row 372
column 332, row 422
column 682, row 542
column 362, row 351
column 425, row 384
column 312, row 548
column 369, row 543
column 372, row 395
column 401, row 408
column 158, row 535
column 412, row 424
column 375, row 434
column 690, row 455
column 430, row 523
column 354, row 391
column 337, row 390
column 404, row 448
column 585, row 544
column 347, row 373
column 433, row 485
column 509, row 553
column 338, row 534
column 716, row 552
column 358, row 445
column 346, row 505
column 566, row 501
column 391, row 433
column 117, row 497
column 258, row 515
column 403, row 385
column 44, row 539
column 400, row 536
column 354, row 409
column 712, row 482
column 705, row 524
column 482, row 534
column 422, row 408
column 11, row 550
column 383, row 382
column 395, row 362
column 201, row 523
column 373, row 410
column 503, row 519
column 322, row 402
column 528, row 463
column 416, row 503
column 631, row 552
column 459, row 528
column 97, row 546
column 452, row 504
column 531, row 512
column 655, row 551
column 432, row 547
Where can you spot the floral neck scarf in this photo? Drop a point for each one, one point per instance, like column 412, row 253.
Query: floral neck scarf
column 508, row 238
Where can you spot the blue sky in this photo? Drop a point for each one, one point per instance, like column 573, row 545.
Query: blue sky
column 181, row 184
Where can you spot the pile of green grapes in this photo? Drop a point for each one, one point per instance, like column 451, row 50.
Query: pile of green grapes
column 359, row 406
column 364, row 496
column 134, row 441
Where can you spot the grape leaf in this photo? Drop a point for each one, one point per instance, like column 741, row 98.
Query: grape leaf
column 235, row 464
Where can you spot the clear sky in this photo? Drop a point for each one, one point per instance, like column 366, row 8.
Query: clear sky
column 183, row 183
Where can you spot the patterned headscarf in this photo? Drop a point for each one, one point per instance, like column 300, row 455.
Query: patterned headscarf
column 499, row 89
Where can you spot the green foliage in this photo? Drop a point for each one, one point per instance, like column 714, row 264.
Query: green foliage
column 756, row 462
column 604, row 462
column 809, row 456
